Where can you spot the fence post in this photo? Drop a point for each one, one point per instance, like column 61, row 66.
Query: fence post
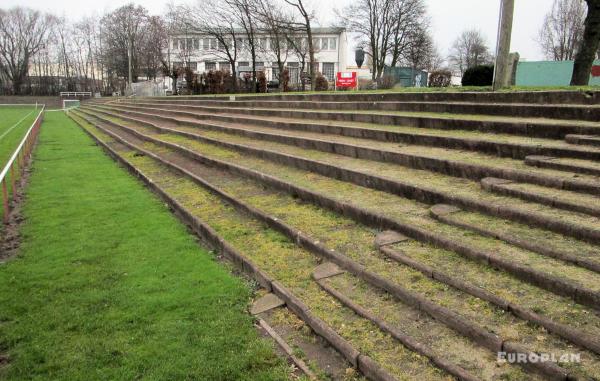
column 13, row 181
column 5, row 201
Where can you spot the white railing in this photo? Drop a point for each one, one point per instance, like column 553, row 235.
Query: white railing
column 16, row 163
column 75, row 94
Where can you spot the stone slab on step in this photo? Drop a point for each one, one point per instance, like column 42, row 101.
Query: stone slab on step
column 326, row 270
column 266, row 303
column 389, row 237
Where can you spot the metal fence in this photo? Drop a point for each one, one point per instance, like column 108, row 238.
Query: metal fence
column 17, row 162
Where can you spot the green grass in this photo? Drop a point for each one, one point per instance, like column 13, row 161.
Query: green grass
column 14, row 123
column 109, row 285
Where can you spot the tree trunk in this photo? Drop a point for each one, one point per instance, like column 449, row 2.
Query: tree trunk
column 311, row 54
column 233, row 76
column 589, row 45
column 17, row 86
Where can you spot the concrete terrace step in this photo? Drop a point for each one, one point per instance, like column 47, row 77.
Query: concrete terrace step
column 503, row 145
column 519, row 327
column 556, row 285
column 387, row 265
column 538, row 97
column 585, row 167
column 434, row 326
column 419, row 185
column 583, row 139
column 522, row 110
column 535, row 127
column 558, row 199
column 446, row 161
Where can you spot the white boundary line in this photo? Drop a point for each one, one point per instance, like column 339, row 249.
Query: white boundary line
column 15, row 125
column 16, row 153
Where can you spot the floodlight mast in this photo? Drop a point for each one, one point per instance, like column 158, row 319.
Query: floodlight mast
column 507, row 8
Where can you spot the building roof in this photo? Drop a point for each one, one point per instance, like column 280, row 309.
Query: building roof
column 315, row 30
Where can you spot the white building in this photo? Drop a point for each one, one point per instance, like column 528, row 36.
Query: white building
column 202, row 54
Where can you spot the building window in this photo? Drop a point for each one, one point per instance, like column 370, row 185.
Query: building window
column 208, row 66
column 316, row 43
column 196, row 44
column 260, row 65
column 177, row 65
column 275, row 70
column 224, row 66
column 329, row 70
column 315, row 67
column 332, row 43
column 324, row 44
column 243, row 64
column 213, row 44
column 193, row 66
column 205, row 43
column 174, row 45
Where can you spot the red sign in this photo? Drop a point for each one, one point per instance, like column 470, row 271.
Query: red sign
column 596, row 71
column 346, row 79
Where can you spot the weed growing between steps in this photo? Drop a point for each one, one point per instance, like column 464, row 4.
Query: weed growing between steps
column 285, row 262
column 458, row 187
column 358, row 244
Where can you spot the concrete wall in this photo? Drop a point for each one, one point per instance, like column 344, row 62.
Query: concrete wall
column 50, row 102
column 548, row 73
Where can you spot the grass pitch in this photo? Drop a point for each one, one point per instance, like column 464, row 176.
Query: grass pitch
column 109, row 285
column 14, row 123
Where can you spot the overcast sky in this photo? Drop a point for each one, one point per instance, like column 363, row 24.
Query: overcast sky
column 449, row 17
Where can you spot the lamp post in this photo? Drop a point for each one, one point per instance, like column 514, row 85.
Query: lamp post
column 129, row 63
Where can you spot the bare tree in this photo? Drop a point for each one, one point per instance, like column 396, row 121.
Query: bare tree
column 371, row 20
column 409, row 26
column 23, row 33
column 121, row 30
column 298, row 45
column 244, row 13
column 304, row 25
column 562, row 30
column 154, row 41
column 384, row 28
column 278, row 27
column 421, row 52
column 213, row 19
column 469, row 50
column 589, row 46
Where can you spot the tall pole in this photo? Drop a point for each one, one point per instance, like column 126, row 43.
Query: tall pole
column 501, row 75
column 129, row 64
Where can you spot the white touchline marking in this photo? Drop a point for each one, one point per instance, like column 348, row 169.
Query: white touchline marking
column 15, row 125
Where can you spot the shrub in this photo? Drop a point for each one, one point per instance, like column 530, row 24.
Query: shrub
column 228, row 82
column 218, row 82
column 366, row 84
column 482, row 75
column 247, row 82
column 321, row 83
column 211, row 82
column 262, row 81
column 386, row 82
column 440, row 78
column 284, row 77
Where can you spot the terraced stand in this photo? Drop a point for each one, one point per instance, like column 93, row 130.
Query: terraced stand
column 344, row 222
